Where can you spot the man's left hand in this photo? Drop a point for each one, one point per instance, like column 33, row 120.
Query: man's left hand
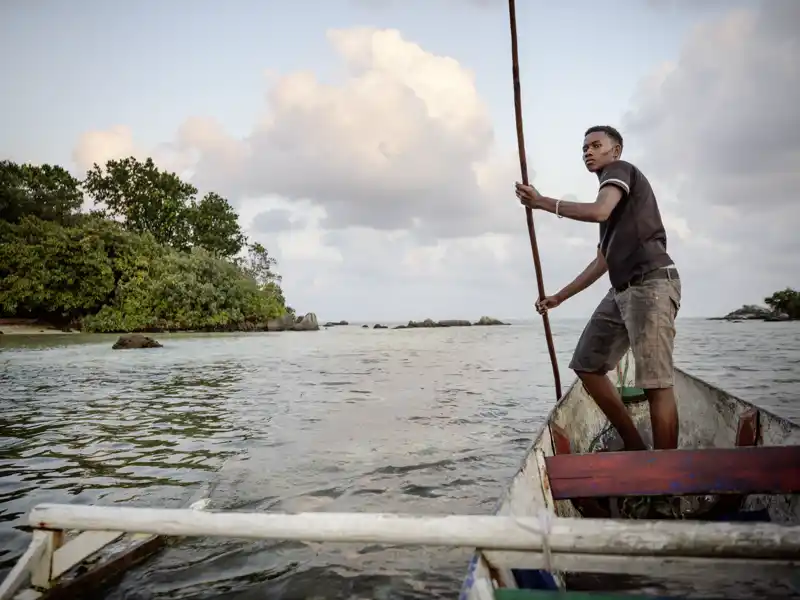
column 529, row 196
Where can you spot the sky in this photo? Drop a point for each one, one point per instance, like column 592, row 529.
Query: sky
column 370, row 145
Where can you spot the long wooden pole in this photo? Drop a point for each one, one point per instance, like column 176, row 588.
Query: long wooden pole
column 559, row 534
column 523, row 165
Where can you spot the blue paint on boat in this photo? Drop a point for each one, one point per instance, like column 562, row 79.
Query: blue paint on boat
column 534, row 579
column 469, row 581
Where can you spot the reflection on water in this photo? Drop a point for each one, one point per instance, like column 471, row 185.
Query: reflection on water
column 72, row 430
column 425, row 421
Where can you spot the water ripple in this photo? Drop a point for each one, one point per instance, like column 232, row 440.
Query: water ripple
column 429, row 421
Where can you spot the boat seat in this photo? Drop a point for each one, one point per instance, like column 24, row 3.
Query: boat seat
column 743, row 470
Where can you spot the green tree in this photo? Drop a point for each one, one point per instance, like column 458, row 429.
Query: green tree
column 52, row 272
column 259, row 265
column 146, row 199
column 786, row 301
column 152, row 258
column 215, row 226
column 185, row 290
column 48, row 192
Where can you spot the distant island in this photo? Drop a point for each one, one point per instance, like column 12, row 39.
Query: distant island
column 428, row 324
column 780, row 306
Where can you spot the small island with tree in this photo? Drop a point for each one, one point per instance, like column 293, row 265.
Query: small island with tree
column 149, row 257
column 780, row 306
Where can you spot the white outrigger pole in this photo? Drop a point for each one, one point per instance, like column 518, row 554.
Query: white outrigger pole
column 511, row 542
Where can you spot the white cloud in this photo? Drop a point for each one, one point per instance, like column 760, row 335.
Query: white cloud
column 384, row 192
column 99, row 146
column 721, row 124
column 403, row 142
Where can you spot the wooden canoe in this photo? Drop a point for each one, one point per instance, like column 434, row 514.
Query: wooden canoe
column 735, row 463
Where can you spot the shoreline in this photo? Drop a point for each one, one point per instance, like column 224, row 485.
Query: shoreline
column 31, row 327
column 34, row 330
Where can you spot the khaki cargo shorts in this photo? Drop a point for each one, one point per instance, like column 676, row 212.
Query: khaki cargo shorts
column 641, row 317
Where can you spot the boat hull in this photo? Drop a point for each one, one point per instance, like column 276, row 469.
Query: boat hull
column 709, row 418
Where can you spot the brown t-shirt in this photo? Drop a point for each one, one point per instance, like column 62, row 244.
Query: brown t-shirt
column 632, row 240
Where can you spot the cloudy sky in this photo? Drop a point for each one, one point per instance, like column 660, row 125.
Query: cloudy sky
column 370, row 144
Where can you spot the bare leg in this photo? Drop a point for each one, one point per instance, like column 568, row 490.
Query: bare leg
column 605, row 395
column 663, row 418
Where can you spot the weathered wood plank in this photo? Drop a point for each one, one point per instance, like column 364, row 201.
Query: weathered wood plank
column 29, row 560
column 42, row 569
column 86, row 584
column 757, row 470
column 599, row 536
column 80, row 548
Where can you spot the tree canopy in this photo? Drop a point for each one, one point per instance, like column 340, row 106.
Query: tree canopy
column 150, row 256
column 786, row 301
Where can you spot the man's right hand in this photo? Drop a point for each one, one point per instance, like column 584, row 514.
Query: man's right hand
column 545, row 304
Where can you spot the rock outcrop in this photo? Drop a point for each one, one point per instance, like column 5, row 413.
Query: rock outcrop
column 135, row 340
column 454, row 323
column 752, row 312
column 306, row 323
column 430, row 323
column 282, row 323
column 489, row 321
column 336, row 323
column 287, row 322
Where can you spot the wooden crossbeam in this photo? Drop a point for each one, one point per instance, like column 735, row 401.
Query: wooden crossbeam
column 754, row 470
column 532, row 533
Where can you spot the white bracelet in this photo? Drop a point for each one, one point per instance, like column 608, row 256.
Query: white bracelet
column 558, row 215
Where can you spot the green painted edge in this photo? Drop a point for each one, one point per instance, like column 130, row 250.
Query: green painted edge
column 631, row 391
column 632, row 394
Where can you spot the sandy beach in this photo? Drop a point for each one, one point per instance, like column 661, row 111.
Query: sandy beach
column 29, row 327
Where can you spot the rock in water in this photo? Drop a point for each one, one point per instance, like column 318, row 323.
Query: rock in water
column 454, row 323
column 289, row 323
column 135, row 340
column 489, row 321
column 282, row 323
column 307, row 323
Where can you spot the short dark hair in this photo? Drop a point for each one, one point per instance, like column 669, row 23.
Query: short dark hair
column 608, row 130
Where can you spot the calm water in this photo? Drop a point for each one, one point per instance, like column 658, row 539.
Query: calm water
column 426, row 421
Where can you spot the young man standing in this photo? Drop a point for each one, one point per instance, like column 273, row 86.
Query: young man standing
column 640, row 308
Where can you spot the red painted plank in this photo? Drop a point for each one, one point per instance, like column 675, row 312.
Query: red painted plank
column 766, row 470
column 747, row 429
column 561, row 444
